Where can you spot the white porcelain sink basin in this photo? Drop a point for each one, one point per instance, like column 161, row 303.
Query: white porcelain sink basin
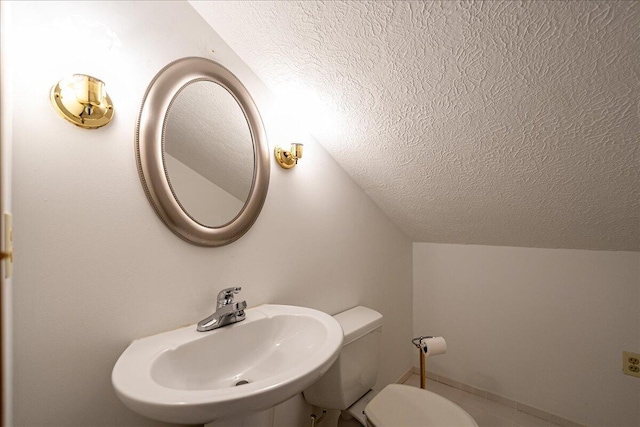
column 190, row 377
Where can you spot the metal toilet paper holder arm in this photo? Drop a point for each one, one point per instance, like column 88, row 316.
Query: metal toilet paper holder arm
column 422, row 349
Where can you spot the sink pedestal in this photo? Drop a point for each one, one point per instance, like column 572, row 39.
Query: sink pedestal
column 262, row 419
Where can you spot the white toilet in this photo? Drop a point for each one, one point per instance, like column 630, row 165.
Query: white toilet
column 347, row 384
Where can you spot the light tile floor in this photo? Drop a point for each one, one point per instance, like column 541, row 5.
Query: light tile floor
column 487, row 413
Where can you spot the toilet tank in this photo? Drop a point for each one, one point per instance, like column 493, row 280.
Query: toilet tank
column 355, row 371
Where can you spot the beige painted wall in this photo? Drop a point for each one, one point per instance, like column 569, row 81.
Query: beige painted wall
column 545, row 327
column 96, row 269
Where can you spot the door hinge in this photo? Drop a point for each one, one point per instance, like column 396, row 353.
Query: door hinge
column 7, row 253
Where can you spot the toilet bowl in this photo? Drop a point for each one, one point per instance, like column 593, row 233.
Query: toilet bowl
column 347, row 384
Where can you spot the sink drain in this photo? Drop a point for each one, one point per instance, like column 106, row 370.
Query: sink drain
column 242, row 382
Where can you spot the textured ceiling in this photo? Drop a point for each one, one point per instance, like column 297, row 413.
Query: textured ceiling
column 497, row 123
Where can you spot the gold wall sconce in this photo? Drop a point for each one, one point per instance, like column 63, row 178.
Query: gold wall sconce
column 82, row 100
column 288, row 159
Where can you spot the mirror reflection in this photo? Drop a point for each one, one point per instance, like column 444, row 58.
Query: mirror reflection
column 208, row 153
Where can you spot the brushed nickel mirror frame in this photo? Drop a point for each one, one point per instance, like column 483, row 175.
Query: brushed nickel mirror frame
column 149, row 147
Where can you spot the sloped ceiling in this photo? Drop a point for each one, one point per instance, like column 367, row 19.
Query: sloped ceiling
column 497, row 123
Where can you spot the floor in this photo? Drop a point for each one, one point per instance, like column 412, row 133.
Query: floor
column 487, row 413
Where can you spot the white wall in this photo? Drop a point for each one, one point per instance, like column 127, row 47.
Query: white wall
column 96, row 269
column 545, row 327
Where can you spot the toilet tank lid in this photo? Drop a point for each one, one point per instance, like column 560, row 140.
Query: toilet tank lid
column 357, row 322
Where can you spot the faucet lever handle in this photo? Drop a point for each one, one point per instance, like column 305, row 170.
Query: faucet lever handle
column 225, row 296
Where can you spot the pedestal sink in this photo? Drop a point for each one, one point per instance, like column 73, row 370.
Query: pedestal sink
column 189, row 377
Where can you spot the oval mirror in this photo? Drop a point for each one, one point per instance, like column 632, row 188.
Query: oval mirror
column 202, row 152
column 208, row 153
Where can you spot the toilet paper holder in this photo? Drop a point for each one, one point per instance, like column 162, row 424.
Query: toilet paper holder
column 418, row 342
column 422, row 349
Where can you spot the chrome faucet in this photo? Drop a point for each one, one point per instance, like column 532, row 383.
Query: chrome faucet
column 227, row 311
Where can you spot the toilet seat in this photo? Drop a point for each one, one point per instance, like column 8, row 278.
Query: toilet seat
column 405, row 406
column 357, row 411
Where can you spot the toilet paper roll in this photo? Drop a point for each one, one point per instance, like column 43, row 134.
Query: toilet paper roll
column 433, row 346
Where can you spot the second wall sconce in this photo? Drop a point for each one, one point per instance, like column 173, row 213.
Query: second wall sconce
column 82, row 100
column 288, row 159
